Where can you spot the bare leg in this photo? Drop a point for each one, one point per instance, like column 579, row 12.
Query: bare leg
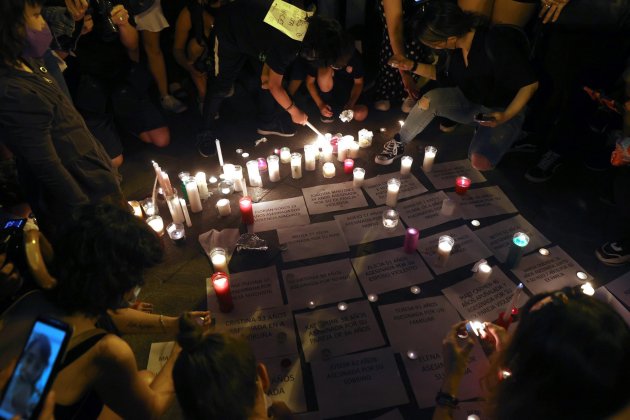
column 151, row 42
column 199, row 79
column 160, row 137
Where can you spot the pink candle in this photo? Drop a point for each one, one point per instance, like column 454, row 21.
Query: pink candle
column 333, row 143
column 221, row 285
column 262, row 164
column 247, row 210
column 411, row 240
column 462, row 184
column 348, row 165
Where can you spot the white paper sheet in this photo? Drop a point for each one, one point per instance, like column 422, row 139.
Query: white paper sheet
column 424, row 212
column 498, row 237
column 604, row 295
column 159, row 355
column 377, row 187
column 287, row 381
column 620, row 287
column 443, row 174
column 364, row 226
column 333, row 197
column 483, row 202
column 225, row 238
column 287, row 212
column 313, row 240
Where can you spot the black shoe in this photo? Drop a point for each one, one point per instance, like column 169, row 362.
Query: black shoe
column 545, row 168
column 392, row 150
column 206, row 143
column 614, row 253
column 277, row 127
column 447, row 126
column 523, row 145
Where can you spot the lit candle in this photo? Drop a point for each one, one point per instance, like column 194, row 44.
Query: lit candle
column 411, row 240
column 372, row 297
column 149, row 207
column 352, row 146
column 226, row 187
column 175, row 208
column 462, row 184
column 254, row 176
column 342, row 149
column 218, row 256
column 309, row 157
column 327, row 152
column 429, row 157
column 390, row 218
column 448, row 207
column 221, row 285
column 328, row 169
column 587, row 289
column 445, row 245
column 239, row 182
column 296, row 165
column 581, row 275
column 405, row 165
column 228, row 171
column 273, row 163
column 219, row 154
column 223, row 207
column 182, row 204
column 157, row 224
column 168, row 188
column 247, row 210
column 202, row 185
column 176, row 232
column 193, row 195
column 517, row 248
column 365, row 138
column 342, row 306
column 285, row 155
column 393, row 186
column 483, row 271
column 348, row 165
column 358, row 175
column 506, row 315
column 137, row 210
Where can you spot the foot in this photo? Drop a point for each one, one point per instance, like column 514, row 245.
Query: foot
column 206, row 143
column 178, row 91
column 408, row 105
column 545, row 168
column 392, row 150
column 277, row 127
column 448, row 126
column 383, row 105
column 171, row 103
column 614, row 253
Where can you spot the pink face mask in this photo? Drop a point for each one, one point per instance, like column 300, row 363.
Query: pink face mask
column 37, row 42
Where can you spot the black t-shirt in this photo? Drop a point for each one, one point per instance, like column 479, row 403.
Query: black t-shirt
column 353, row 70
column 498, row 67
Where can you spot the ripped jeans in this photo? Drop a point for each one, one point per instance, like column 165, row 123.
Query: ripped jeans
column 490, row 142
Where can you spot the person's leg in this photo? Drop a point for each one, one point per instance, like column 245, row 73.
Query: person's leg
column 481, row 7
column 489, row 144
column 200, row 80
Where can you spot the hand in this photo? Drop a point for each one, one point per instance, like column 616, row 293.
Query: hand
column 77, row 8
column 400, row 62
column 551, row 10
column 120, row 16
column 10, row 279
column 298, row 116
column 326, row 110
column 499, row 118
column 497, row 332
column 455, row 355
column 142, row 306
column 203, row 318
column 410, row 85
column 88, row 25
column 48, row 409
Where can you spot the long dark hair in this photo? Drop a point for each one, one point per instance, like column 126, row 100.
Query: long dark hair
column 12, row 29
column 438, row 20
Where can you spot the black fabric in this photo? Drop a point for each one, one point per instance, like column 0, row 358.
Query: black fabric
column 352, row 70
column 101, row 59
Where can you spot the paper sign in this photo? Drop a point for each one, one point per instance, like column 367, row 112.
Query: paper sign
column 313, row 240
column 270, row 332
column 333, row 197
column 287, row 381
column 424, row 212
column 483, row 302
column 604, row 295
column 541, row 273
column 483, row 202
column 365, row 226
column 498, row 237
column 390, row 270
column 329, row 332
column 620, row 287
column 250, row 290
column 357, row 383
column 288, row 19
column 468, row 249
column 377, row 187
column 286, row 212
column 443, row 174
column 321, row 283
column 159, row 355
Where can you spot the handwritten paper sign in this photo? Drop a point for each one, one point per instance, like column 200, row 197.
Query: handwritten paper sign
column 288, row 19
column 321, row 283
column 377, row 187
column 540, row 273
column 483, row 202
column 424, row 212
column 390, row 270
column 443, row 174
column 250, row 290
column 483, row 302
column 313, row 240
column 159, row 355
column 620, row 287
column 468, row 249
column 357, row 383
column 287, row 381
column 498, row 237
column 604, row 295
column 329, row 332
column 333, row 197
column 286, row 212
column 365, row 226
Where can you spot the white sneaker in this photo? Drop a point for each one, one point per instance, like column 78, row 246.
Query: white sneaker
column 383, row 105
column 408, row 104
column 171, row 103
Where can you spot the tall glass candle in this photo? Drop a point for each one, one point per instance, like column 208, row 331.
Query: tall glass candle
column 254, row 176
column 517, row 247
column 393, row 186
column 348, row 165
column 202, row 185
column 157, row 224
column 358, row 175
column 228, row 171
column 273, row 163
column 149, row 207
column 239, row 182
column 221, row 285
column 328, row 170
column 223, row 207
column 262, row 165
column 193, row 195
column 445, row 246
column 285, row 155
column 405, row 165
column 342, row 149
column 310, row 157
column 352, row 147
column 296, row 165
column 175, row 208
column 247, row 210
column 411, row 240
column 182, row 204
column 429, row 157
column 462, row 184
column 327, row 152
column 218, row 256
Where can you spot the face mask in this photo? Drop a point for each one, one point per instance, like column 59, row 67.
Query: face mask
column 37, row 42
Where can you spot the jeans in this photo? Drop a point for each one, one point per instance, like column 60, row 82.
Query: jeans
column 490, row 142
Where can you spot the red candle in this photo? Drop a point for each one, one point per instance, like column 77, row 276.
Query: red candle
column 462, row 184
column 411, row 240
column 247, row 211
column 262, row 164
column 348, row 165
column 221, row 285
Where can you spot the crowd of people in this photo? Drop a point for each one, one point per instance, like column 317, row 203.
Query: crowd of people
column 76, row 76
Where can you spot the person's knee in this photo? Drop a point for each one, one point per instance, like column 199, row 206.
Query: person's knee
column 159, row 137
column 480, row 162
column 360, row 112
column 117, row 161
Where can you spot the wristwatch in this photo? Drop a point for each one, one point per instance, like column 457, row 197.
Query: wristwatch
column 446, row 400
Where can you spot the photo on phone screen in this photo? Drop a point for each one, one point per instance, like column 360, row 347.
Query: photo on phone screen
column 35, row 369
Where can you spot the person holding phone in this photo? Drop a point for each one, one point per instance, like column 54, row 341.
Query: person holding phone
column 48, row 405
column 491, row 75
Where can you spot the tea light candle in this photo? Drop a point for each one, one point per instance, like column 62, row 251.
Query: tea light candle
column 393, row 186
column 193, row 195
column 223, row 207
column 328, row 170
column 285, row 155
column 411, row 240
column 176, row 232
column 484, row 271
column 342, row 306
column 327, row 152
column 226, row 187
column 517, row 248
column 405, row 165
column 448, row 207
column 462, row 184
column 262, row 165
column 157, row 224
column 543, row 251
column 412, row 355
column 273, row 163
column 309, row 157
column 415, row 290
column 137, row 210
column 365, row 138
column 254, row 176
column 348, row 165
column 218, row 256
column 372, row 297
column 581, row 275
column 202, row 185
column 429, row 157
column 358, row 176
column 390, row 218
column 445, row 245
column 587, row 289
column 296, row 165
column 247, row 210
column 221, row 284
column 175, row 208
column 213, row 179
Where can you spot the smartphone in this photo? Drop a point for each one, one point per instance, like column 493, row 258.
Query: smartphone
column 36, row 369
column 475, row 327
column 484, row 118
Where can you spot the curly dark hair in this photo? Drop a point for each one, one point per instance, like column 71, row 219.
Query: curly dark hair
column 99, row 256
column 12, row 29
column 325, row 41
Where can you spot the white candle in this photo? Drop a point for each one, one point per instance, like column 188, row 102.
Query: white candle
column 405, row 165
column 167, row 184
column 202, row 184
column 193, row 195
column 219, row 154
column 393, row 186
column 296, row 165
column 352, row 146
column 429, row 157
column 285, row 155
column 273, row 166
column 157, row 224
column 365, row 138
column 328, row 170
column 448, row 207
column 445, row 245
column 327, row 152
column 223, row 206
column 175, row 208
column 228, row 171
column 137, row 210
column 484, row 271
column 309, row 157
column 358, row 175
column 182, row 203
column 237, row 176
column 254, row 174
column 218, row 256
column 342, row 149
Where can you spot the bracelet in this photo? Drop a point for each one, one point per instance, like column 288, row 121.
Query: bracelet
column 162, row 323
column 414, row 68
column 446, row 400
column 290, row 106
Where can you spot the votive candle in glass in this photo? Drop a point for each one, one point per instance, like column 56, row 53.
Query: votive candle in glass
column 484, row 271
column 254, row 176
column 348, row 165
column 157, row 224
column 273, row 163
column 393, row 186
column 390, row 218
column 445, row 246
column 352, row 146
column 448, row 207
column 223, row 207
column 328, row 169
column 285, row 155
column 405, row 165
column 365, row 138
column 429, row 157
column 262, row 165
column 517, row 247
column 221, row 285
column 247, row 210
column 462, row 184
column 310, row 157
column 176, row 232
column 358, row 177
column 137, row 209
column 342, row 149
column 327, row 152
column 411, row 240
column 218, row 256
column 296, row 165
column 149, row 207
column 226, row 187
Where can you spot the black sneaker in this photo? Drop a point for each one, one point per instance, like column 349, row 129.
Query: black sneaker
column 277, row 127
column 206, row 143
column 614, row 253
column 392, row 150
column 545, row 168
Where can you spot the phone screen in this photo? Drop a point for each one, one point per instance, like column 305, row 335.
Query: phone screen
column 34, row 370
column 14, row 223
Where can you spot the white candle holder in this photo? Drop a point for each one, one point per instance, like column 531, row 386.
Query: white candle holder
column 358, row 176
column 310, row 157
column 390, row 218
column 296, row 165
column 223, row 207
column 328, row 170
column 405, row 165
column 393, row 186
column 429, row 157
column 445, row 245
column 254, row 175
column 273, row 166
column 285, row 155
